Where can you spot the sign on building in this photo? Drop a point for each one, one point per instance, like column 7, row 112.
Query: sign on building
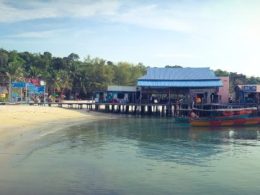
column 249, row 88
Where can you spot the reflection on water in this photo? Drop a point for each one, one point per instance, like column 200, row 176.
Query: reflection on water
column 138, row 156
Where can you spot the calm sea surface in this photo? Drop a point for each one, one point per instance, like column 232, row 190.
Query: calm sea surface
column 136, row 156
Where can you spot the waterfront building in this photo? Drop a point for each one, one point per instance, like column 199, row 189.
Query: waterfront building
column 247, row 94
column 117, row 94
column 223, row 92
column 179, row 85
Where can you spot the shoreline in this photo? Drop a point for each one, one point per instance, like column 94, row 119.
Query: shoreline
column 22, row 124
column 25, row 116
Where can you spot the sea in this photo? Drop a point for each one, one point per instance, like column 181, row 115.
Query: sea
column 132, row 156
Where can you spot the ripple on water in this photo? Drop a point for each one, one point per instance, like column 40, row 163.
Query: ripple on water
column 139, row 156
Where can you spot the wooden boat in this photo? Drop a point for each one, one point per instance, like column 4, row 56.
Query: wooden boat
column 228, row 117
column 228, row 121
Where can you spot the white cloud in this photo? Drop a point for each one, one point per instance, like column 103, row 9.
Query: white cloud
column 148, row 16
column 51, row 34
column 38, row 34
column 151, row 16
column 12, row 14
column 31, row 10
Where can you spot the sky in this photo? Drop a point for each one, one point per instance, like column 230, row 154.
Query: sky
column 220, row 34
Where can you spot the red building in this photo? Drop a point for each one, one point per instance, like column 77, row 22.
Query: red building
column 223, row 92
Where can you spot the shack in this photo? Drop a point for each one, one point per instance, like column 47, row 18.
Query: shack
column 247, row 94
column 179, row 85
column 117, row 94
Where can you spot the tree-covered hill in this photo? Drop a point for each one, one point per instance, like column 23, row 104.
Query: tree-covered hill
column 67, row 75
column 237, row 79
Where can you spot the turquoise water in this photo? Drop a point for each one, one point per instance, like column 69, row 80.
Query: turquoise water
column 136, row 156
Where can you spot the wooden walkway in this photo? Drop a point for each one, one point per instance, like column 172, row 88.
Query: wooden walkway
column 122, row 108
column 162, row 110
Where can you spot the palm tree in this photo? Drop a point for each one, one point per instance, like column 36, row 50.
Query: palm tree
column 14, row 72
column 61, row 82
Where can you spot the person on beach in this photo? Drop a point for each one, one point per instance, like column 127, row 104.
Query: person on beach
column 193, row 114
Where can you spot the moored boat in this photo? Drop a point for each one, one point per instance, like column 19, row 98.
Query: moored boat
column 227, row 117
column 227, row 121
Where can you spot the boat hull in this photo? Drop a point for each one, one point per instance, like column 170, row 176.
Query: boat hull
column 225, row 122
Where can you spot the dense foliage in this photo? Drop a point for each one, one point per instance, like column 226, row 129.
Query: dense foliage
column 237, row 79
column 68, row 75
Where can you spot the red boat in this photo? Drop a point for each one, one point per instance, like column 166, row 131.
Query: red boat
column 228, row 117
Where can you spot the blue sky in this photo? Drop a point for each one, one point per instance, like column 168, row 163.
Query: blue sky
column 221, row 34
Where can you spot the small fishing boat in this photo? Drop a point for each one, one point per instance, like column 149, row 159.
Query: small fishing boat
column 227, row 121
column 228, row 117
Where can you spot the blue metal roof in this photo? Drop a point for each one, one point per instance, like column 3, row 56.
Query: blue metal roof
column 179, row 74
column 179, row 77
column 209, row 83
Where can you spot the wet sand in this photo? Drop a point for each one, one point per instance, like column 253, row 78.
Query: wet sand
column 20, row 124
column 17, row 118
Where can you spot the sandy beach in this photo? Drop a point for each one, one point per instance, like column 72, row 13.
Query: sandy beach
column 22, row 117
column 25, row 129
column 20, row 121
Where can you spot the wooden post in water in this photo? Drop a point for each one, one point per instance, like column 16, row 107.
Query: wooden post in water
column 113, row 108
column 163, row 110
column 134, row 109
column 106, row 108
column 156, row 110
column 127, row 109
column 142, row 110
column 149, row 110
column 169, row 110
column 138, row 109
column 118, row 108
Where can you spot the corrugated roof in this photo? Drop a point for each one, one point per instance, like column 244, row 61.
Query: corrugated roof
column 179, row 74
column 209, row 83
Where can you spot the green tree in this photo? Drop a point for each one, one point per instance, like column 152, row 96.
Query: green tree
column 221, row 73
column 69, row 74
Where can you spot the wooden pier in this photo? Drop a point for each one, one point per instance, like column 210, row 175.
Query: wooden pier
column 140, row 109
column 161, row 110
column 136, row 109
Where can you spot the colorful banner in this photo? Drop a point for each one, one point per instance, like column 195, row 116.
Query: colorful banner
column 18, row 84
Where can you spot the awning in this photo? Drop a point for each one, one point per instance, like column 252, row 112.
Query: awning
column 183, row 84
